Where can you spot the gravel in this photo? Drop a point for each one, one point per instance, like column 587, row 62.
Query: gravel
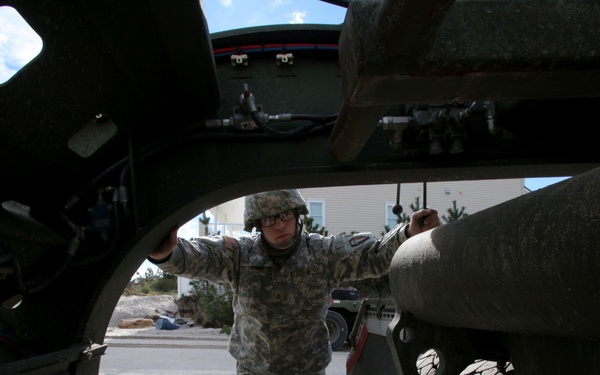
column 138, row 307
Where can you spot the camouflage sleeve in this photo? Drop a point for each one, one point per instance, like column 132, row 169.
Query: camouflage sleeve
column 360, row 256
column 210, row 258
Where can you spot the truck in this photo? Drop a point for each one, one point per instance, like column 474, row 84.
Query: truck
column 134, row 118
column 341, row 315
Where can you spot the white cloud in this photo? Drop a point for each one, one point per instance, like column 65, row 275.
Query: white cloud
column 226, row 3
column 296, row 16
column 19, row 44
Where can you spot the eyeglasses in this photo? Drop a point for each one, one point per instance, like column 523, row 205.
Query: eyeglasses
column 284, row 216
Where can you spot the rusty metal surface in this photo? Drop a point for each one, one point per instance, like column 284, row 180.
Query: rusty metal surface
column 398, row 51
column 419, row 51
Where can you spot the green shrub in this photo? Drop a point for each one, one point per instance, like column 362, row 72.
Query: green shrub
column 165, row 284
column 214, row 304
column 152, row 283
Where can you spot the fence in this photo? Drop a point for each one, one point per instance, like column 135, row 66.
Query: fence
column 224, row 229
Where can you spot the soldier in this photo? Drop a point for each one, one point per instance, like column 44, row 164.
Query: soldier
column 282, row 277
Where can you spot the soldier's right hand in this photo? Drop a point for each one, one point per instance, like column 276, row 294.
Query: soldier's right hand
column 165, row 248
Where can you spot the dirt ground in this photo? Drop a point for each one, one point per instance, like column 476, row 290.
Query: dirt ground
column 137, row 307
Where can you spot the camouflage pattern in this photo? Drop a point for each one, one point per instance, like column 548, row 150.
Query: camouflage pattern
column 269, row 203
column 280, row 313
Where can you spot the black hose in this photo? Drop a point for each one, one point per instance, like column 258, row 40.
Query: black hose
column 299, row 131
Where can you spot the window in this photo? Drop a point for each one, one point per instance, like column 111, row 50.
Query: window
column 391, row 219
column 317, row 212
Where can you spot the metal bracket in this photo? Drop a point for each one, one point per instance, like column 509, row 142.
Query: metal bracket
column 239, row 59
column 285, row 58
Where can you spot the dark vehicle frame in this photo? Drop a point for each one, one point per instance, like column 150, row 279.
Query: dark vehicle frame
column 134, row 118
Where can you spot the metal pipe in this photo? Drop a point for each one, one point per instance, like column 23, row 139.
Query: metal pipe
column 529, row 265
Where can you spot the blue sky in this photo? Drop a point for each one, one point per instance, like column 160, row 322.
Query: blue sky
column 234, row 14
column 541, row 182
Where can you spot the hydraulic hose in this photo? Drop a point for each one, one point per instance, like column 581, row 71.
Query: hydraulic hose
column 299, row 131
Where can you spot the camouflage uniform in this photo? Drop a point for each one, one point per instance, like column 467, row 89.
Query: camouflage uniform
column 280, row 312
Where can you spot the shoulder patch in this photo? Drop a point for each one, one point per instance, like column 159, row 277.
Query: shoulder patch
column 231, row 243
column 357, row 240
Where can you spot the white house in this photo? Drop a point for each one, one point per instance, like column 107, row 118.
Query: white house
column 368, row 208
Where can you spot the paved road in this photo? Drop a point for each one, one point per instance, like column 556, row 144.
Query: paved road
column 152, row 352
column 198, row 351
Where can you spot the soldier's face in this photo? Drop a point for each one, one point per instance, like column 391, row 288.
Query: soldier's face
column 280, row 232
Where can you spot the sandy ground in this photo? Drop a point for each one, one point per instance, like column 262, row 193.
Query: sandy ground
column 138, row 307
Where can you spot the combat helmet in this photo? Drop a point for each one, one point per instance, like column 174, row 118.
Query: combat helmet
column 268, row 203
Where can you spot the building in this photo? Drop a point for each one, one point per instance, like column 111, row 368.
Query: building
column 368, row 208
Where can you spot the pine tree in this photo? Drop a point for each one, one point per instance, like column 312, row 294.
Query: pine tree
column 454, row 213
column 312, row 227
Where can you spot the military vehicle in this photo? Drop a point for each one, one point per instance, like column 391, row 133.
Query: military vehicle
column 134, row 118
column 341, row 315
